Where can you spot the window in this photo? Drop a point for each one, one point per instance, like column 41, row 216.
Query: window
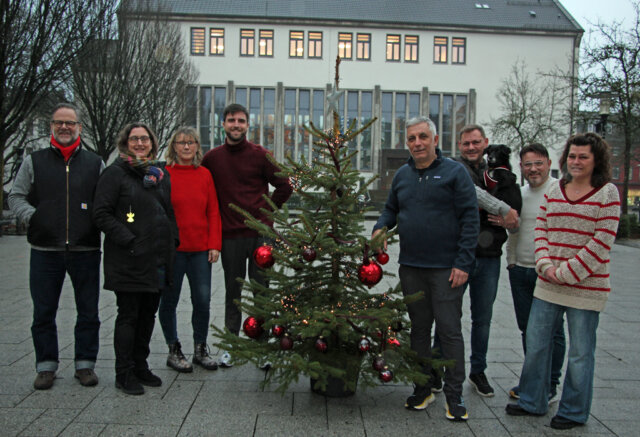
column 411, row 48
column 345, row 40
column 363, row 46
column 458, row 50
column 216, row 42
column 315, row 44
column 247, row 42
column 393, row 48
column 197, row 41
column 265, row 44
column 440, row 49
column 296, row 44
column 205, row 118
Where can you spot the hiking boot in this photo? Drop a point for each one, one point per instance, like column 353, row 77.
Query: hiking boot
column 145, row 377
column 420, row 399
column 201, row 357
column 176, row 359
column 87, row 377
column 480, row 383
column 225, row 359
column 456, row 410
column 44, row 380
column 129, row 384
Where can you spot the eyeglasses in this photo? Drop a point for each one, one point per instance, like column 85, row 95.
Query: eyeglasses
column 144, row 139
column 532, row 164
column 474, row 142
column 185, row 143
column 60, row 123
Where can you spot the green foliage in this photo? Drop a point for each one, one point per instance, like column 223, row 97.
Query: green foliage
column 324, row 297
column 628, row 227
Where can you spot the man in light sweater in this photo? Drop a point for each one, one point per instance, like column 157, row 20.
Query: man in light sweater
column 535, row 165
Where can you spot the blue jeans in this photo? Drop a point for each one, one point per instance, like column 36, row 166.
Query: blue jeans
column 523, row 282
column 577, row 391
column 483, row 288
column 198, row 270
column 46, row 276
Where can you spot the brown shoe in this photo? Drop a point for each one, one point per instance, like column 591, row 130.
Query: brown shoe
column 44, row 380
column 87, row 377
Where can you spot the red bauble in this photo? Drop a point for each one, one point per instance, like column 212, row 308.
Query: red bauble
column 386, row 375
column 277, row 330
column 364, row 344
column 309, row 254
column 263, row 256
column 321, row 344
column 382, row 258
column 392, row 341
column 370, row 274
column 379, row 363
column 252, row 326
column 286, row 343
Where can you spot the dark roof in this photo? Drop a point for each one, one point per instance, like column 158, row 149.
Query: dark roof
column 523, row 15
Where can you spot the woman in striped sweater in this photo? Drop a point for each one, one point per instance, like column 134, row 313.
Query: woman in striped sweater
column 575, row 230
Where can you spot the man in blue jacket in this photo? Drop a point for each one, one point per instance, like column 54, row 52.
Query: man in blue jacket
column 433, row 203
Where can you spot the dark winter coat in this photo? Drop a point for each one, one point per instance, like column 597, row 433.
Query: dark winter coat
column 139, row 226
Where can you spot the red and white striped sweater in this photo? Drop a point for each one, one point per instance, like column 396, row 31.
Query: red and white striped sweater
column 576, row 237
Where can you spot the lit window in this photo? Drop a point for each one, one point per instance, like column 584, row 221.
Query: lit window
column 216, row 42
column 197, row 40
column 315, row 44
column 363, row 46
column 345, row 40
column 265, row 44
column 458, row 50
column 440, row 49
column 247, row 42
column 296, row 44
column 411, row 48
column 393, row 48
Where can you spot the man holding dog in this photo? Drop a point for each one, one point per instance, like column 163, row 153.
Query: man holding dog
column 535, row 165
column 483, row 278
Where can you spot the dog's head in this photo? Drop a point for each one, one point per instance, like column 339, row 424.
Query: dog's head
column 498, row 156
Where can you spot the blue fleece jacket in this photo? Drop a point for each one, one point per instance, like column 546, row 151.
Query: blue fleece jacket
column 436, row 214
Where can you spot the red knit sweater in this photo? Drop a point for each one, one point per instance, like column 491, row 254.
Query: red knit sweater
column 242, row 174
column 195, row 203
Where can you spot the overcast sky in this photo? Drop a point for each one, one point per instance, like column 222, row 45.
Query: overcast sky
column 585, row 11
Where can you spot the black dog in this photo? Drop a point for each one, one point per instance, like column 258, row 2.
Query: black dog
column 499, row 180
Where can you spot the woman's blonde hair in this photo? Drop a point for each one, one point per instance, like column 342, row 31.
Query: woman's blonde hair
column 187, row 131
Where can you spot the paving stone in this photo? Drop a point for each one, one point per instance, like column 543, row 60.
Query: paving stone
column 139, row 430
column 83, row 430
column 287, row 425
column 51, row 422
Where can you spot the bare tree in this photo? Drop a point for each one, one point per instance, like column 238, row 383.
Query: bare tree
column 39, row 39
column 136, row 71
column 611, row 59
column 533, row 108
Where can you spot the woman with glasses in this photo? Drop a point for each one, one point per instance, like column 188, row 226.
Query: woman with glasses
column 133, row 208
column 195, row 203
column 575, row 229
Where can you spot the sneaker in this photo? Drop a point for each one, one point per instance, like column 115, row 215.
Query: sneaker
column 266, row 366
column 517, row 410
column 456, row 410
column 558, row 422
column 129, row 384
column 176, row 359
column 145, row 377
column 436, row 382
column 202, row 358
column 87, row 377
column 225, row 360
column 420, row 399
column 44, row 380
column 514, row 393
column 480, row 383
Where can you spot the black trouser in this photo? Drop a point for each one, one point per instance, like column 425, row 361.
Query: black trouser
column 134, row 326
column 235, row 253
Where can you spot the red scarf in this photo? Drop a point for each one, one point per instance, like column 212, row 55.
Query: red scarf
column 66, row 151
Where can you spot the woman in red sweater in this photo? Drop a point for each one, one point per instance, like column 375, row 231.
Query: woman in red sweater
column 194, row 200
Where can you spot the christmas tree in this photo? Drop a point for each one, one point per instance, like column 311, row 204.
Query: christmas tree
column 319, row 316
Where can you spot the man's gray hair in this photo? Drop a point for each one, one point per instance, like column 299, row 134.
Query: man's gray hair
column 422, row 119
column 67, row 105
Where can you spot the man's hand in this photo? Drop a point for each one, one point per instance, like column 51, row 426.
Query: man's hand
column 458, row 277
column 509, row 221
column 213, row 255
column 384, row 243
column 550, row 274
